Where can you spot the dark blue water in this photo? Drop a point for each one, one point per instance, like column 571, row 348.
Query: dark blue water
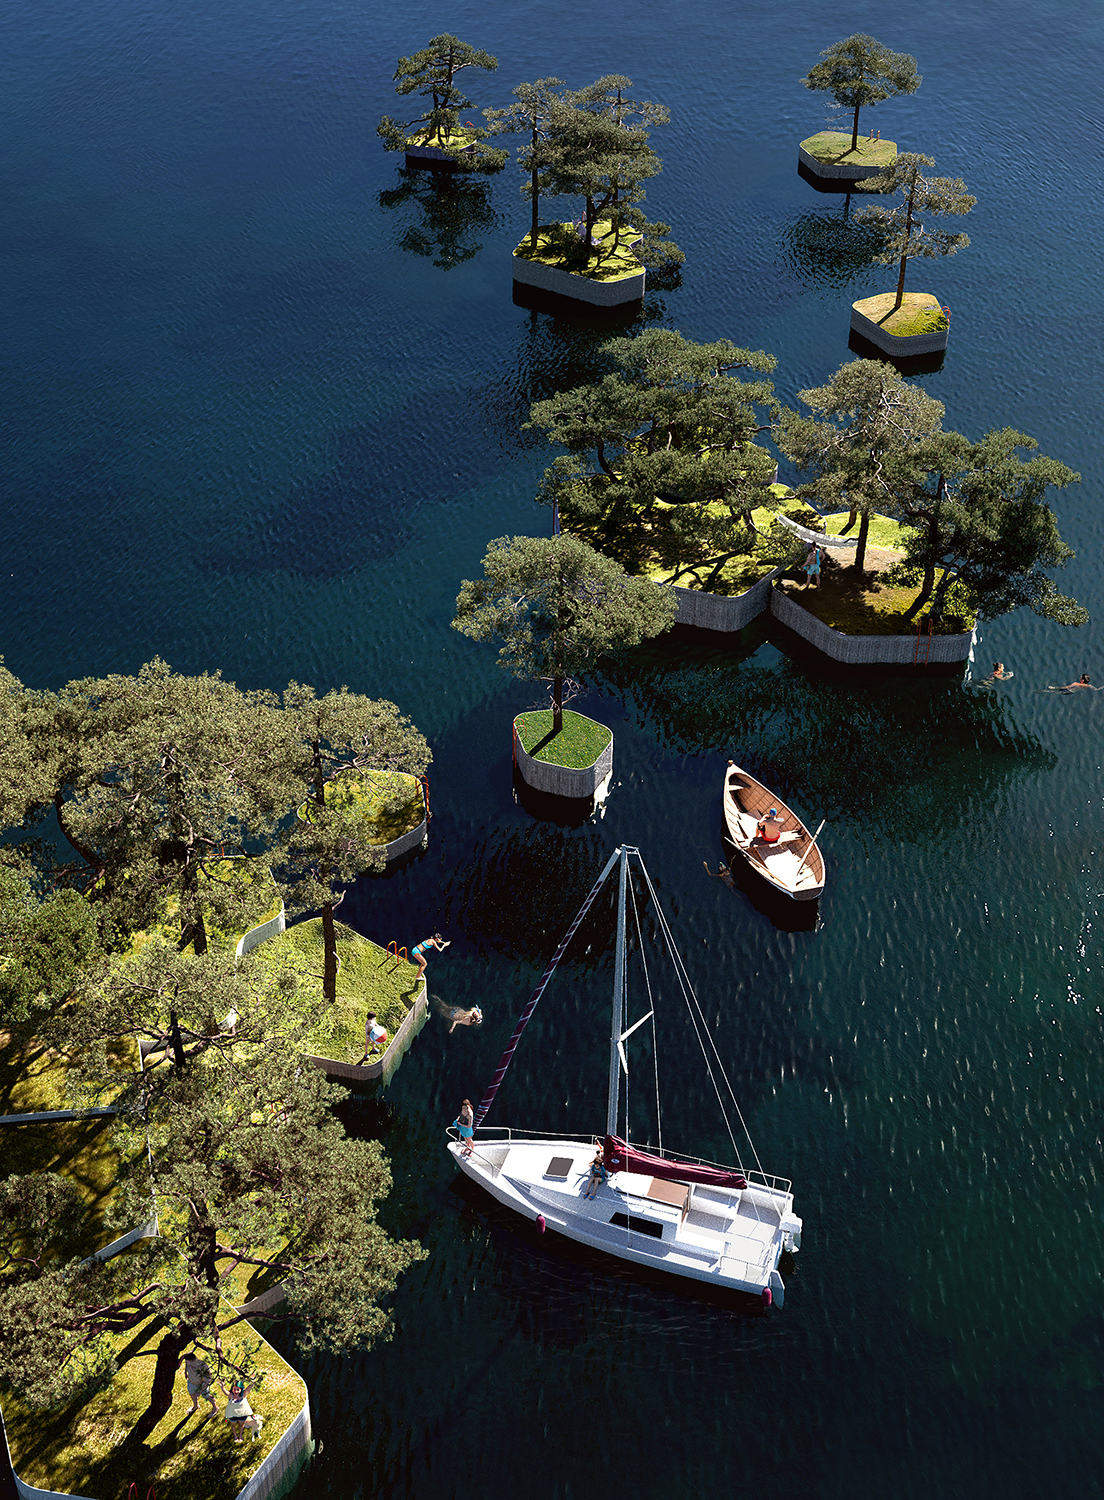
column 262, row 407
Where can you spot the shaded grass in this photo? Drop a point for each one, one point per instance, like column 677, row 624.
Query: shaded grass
column 653, row 547
column 833, row 147
column 252, row 891
column 616, row 265
column 88, row 1447
column 32, row 1076
column 854, row 604
column 78, row 1150
column 577, row 746
column 369, row 979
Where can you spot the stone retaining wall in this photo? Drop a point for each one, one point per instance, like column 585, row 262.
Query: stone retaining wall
column 563, row 781
column 262, row 932
column 433, row 156
column 868, row 650
column 579, row 288
column 830, row 170
column 892, row 343
column 718, row 612
column 281, row 1469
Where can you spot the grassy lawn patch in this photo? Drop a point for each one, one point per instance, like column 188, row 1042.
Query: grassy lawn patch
column 884, row 532
column 386, row 804
column 86, row 1448
column 368, row 979
column 454, row 142
column 616, row 265
column 79, row 1150
column 919, row 312
column 577, row 746
column 833, row 147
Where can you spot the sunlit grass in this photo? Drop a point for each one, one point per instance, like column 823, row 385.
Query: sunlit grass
column 577, row 746
column 833, row 147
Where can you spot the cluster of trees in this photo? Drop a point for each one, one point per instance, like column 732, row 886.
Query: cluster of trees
column 122, row 797
column 662, row 446
column 591, row 144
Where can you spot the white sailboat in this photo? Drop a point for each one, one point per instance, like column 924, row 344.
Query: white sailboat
column 722, row 1225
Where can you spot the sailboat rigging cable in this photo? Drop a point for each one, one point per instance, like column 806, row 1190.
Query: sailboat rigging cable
column 523, row 1020
column 696, row 1016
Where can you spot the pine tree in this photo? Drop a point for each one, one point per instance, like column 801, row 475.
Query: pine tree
column 906, row 237
column 860, row 71
column 555, row 606
column 432, row 73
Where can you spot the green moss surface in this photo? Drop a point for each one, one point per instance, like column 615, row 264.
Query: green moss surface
column 251, row 889
column 920, row 312
column 87, row 1448
column 576, row 747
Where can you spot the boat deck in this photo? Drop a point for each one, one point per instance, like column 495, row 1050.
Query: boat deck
column 731, row 1238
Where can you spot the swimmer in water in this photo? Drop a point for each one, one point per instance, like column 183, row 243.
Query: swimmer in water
column 1071, row 687
column 722, row 873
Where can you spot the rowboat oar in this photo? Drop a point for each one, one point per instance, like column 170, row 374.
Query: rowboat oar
column 809, row 850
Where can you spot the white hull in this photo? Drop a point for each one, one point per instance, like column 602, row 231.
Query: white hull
column 719, row 1236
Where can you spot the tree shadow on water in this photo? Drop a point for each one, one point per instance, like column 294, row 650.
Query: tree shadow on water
column 451, row 210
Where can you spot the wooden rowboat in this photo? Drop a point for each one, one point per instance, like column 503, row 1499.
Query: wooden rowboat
column 794, row 865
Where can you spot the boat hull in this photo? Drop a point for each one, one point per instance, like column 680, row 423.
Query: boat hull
column 724, row 1239
column 795, row 866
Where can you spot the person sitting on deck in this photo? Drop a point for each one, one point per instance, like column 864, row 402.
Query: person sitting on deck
column 769, row 829
column 598, row 1174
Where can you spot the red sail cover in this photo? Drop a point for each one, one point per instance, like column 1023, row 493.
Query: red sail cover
column 618, row 1157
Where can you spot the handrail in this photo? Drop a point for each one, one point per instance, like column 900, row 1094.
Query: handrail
column 755, row 1177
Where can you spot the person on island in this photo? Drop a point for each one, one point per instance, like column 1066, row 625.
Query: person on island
column 417, row 955
column 769, row 829
column 812, row 567
column 375, row 1036
column 238, row 1409
column 197, row 1374
column 465, row 1124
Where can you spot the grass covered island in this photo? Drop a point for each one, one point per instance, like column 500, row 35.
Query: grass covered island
column 385, row 805
column 919, row 313
column 833, row 148
column 577, row 746
column 555, row 249
column 369, row 979
column 860, row 603
column 88, row 1447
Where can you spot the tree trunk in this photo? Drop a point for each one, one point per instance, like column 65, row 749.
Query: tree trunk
column 851, row 515
column 860, row 551
column 177, row 1040
column 925, row 592
column 904, row 252
column 535, row 196
column 169, row 1350
column 557, row 704
column 329, row 943
column 855, row 130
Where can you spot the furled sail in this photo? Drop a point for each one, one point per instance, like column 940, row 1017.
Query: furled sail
column 523, row 1021
column 618, row 1157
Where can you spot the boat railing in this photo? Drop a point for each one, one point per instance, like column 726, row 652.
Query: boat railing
column 756, row 1178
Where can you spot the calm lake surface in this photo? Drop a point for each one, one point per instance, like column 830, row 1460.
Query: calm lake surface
column 262, row 399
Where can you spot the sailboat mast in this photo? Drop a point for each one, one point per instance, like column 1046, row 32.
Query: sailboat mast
column 618, row 997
